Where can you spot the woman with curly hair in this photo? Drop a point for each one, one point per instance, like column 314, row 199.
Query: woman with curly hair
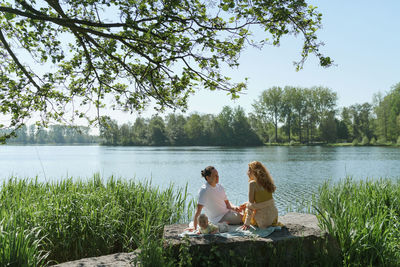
column 260, row 210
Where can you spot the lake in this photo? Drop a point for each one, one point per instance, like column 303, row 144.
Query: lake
column 297, row 171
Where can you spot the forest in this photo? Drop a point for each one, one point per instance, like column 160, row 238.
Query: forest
column 55, row 134
column 279, row 115
column 289, row 115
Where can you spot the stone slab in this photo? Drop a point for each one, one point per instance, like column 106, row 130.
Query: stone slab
column 299, row 242
column 118, row 259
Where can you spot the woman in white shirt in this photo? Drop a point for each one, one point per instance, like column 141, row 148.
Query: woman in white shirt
column 213, row 199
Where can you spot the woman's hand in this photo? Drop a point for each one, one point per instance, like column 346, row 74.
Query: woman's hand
column 235, row 208
column 242, row 207
column 245, row 227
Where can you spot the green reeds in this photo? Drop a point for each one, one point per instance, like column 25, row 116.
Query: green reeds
column 43, row 223
column 364, row 218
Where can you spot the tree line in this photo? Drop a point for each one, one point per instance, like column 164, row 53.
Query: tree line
column 279, row 115
column 55, row 134
column 230, row 127
column 309, row 115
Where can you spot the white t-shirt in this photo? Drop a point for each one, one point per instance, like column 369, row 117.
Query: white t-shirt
column 213, row 200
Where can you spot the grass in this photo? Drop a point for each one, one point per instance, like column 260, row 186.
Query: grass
column 364, row 217
column 47, row 223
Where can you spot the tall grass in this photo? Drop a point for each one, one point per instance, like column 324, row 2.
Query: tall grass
column 364, row 218
column 43, row 223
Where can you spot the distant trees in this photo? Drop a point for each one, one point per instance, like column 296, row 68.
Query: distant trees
column 387, row 112
column 299, row 112
column 56, row 134
column 305, row 115
column 229, row 128
column 270, row 106
column 310, row 115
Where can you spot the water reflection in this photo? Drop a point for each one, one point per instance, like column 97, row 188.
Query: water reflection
column 298, row 171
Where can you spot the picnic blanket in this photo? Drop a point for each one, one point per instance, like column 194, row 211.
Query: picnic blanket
column 234, row 231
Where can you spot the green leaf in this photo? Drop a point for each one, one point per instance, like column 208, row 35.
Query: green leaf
column 9, row 16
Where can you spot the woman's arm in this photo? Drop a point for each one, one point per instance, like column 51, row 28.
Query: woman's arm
column 196, row 215
column 229, row 206
column 252, row 192
column 251, row 200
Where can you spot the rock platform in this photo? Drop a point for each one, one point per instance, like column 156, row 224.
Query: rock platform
column 300, row 242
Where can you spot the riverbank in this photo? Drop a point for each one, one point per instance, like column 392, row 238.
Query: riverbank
column 334, row 144
column 47, row 223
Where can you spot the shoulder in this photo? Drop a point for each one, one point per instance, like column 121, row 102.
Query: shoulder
column 252, row 184
column 203, row 189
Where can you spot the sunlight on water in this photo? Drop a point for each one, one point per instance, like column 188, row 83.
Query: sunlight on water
column 297, row 171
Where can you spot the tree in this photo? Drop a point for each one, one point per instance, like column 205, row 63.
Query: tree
column 156, row 131
column 360, row 117
column 243, row 134
column 342, row 130
column 299, row 101
column 310, row 111
column 175, row 129
column 56, row 134
column 270, row 105
column 109, row 131
column 365, row 120
column 346, row 120
column 224, row 130
column 132, row 51
column 328, row 128
column 139, row 132
column 126, row 135
column 325, row 105
column 22, row 136
column 382, row 111
column 393, row 97
column 288, row 109
column 194, row 129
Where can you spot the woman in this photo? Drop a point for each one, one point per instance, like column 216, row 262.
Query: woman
column 213, row 199
column 261, row 210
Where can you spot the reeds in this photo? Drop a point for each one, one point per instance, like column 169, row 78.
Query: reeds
column 364, row 218
column 42, row 223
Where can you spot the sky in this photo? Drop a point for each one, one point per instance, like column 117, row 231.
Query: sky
column 361, row 36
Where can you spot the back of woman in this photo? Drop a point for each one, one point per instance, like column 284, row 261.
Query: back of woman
column 261, row 194
column 261, row 208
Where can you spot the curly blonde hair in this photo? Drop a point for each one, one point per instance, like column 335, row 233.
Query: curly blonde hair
column 262, row 176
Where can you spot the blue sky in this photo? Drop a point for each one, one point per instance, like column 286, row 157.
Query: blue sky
column 362, row 37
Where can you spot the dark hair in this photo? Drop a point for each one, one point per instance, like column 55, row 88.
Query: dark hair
column 207, row 171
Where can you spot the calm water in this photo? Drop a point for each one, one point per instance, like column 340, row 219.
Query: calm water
column 297, row 171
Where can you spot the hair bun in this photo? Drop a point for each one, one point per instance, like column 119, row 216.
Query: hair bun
column 207, row 171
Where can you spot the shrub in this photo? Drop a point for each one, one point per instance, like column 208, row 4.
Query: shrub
column 364, row 217
column 355, row 142
column 372, row 141
column 365, row 141
column 381, row 140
